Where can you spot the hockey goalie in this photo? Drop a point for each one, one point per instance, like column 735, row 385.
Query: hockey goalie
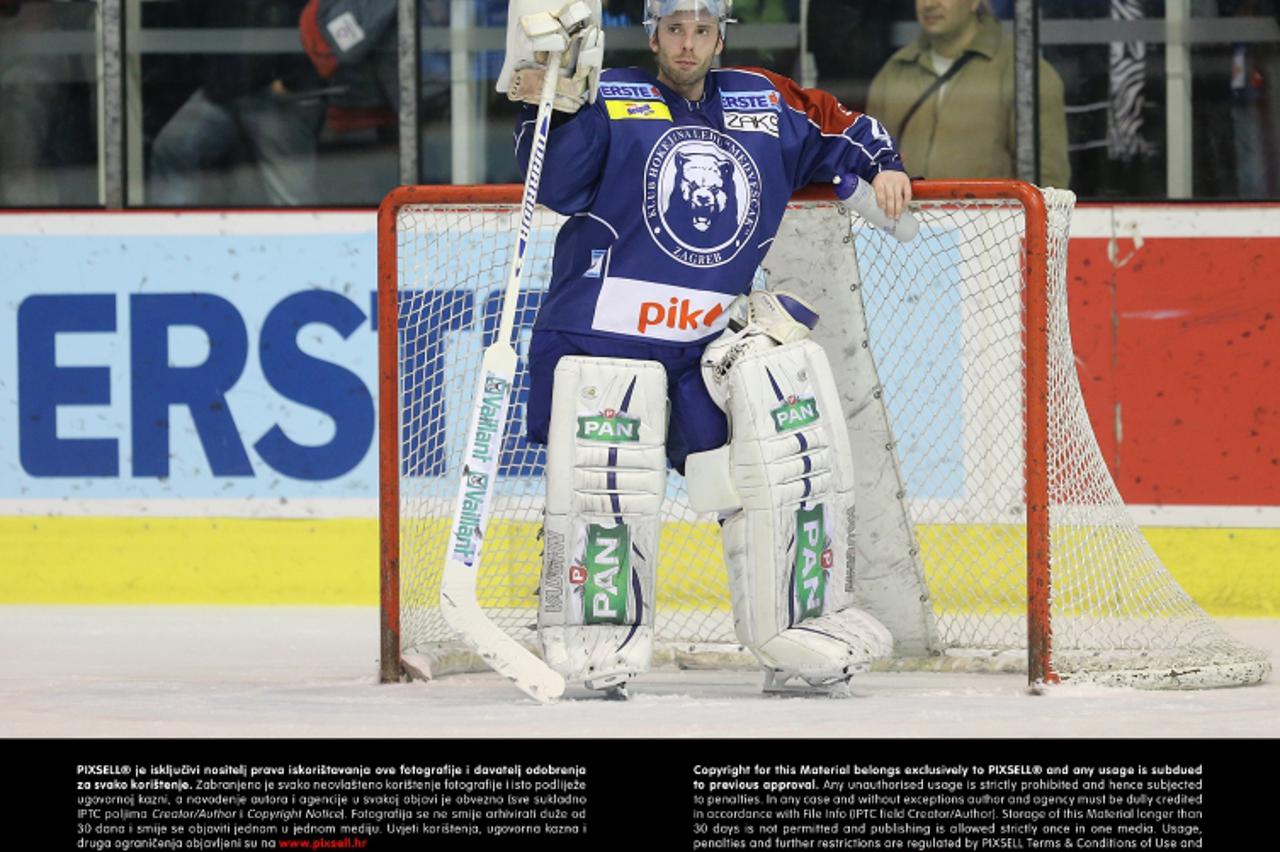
column 651, row 348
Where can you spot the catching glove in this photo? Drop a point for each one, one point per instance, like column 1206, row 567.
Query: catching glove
column 536, row 28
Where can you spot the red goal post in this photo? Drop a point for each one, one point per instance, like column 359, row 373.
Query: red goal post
column 967, row 399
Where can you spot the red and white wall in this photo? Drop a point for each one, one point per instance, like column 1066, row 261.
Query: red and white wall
column 1175, row 313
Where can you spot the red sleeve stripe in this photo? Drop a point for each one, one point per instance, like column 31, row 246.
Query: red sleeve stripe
column 827, row 113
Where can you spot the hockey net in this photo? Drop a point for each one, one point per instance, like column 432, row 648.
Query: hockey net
column 990, row 535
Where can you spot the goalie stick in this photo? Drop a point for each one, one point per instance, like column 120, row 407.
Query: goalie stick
column 458, row 601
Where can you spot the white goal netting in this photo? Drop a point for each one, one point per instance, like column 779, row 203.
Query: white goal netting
column 933, row 348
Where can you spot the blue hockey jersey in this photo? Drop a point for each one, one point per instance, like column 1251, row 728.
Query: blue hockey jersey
column 674, row 203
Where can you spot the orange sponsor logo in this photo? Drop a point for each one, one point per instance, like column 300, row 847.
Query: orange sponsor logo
column 678, row 314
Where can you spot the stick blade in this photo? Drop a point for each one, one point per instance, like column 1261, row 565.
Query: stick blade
column 500, row 652
column 458, row 602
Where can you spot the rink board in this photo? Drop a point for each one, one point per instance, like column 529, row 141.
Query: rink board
column 114, row 504
column 137, row 560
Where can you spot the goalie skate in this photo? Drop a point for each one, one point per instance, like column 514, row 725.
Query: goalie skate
column 611, row 687
column 790, row 683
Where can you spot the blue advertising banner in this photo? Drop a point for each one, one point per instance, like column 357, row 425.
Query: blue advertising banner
column 188, row 355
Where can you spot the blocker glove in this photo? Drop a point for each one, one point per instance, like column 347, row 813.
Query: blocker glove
column 538, row 27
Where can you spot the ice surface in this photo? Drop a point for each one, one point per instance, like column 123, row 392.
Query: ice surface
column 312, row 672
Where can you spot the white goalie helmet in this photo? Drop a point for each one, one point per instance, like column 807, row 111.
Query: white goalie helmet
column 720, row 11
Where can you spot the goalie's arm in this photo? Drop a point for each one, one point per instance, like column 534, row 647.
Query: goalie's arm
column 866, row 150
column 578, row 141
column 575, row 157
column 831, row 141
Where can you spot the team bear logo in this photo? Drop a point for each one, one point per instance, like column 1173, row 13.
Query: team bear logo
column 701, row 196
column 703, row 207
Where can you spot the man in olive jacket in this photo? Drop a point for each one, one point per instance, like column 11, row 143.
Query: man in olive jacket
column 965, row 127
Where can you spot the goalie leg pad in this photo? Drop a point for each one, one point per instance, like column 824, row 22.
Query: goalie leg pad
column 606, row 477
column 789, row 547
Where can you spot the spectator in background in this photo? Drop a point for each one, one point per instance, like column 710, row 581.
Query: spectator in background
column 1255, row 106
column 32, row 96
column 254, row 103
column 352, row 46
column 948, row 98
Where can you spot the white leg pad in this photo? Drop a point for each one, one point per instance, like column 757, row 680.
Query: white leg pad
column 606, row 478
column 789, row 549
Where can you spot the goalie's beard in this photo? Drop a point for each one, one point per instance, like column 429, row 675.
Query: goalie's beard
column 672, row 74
column 679, row 78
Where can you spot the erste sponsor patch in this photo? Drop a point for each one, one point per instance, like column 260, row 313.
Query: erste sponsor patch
column 748, row 101
column 629, row 91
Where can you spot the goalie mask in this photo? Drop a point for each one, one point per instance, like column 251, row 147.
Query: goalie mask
column 721, row 11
